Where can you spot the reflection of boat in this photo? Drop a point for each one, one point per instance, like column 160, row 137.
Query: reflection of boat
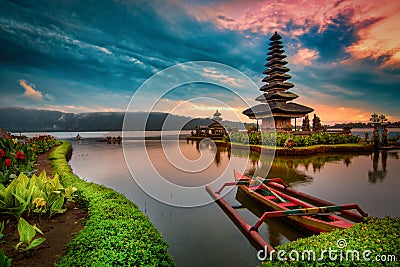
column 314, row 219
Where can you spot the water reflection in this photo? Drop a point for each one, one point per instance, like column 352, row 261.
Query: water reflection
column 338, row 178
column 292, row 170
column 378, row 174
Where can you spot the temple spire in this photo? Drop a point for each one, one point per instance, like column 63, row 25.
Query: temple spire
column 276, row 72
column 275, row 91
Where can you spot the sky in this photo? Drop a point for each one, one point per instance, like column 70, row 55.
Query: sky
column 88, row 56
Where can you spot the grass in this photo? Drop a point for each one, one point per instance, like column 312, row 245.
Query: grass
column 116, row 232
column 374, row 240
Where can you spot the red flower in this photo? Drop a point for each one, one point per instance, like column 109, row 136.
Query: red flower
column 8, row 162
column 7, row 137
column 2, row 153
column 19, row 155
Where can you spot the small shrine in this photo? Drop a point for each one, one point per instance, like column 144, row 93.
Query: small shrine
column 277, row 110
column 215, row 130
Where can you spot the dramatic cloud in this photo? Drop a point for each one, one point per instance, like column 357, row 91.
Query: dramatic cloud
column 342, row 54
column 30, row 91
column 377, row 23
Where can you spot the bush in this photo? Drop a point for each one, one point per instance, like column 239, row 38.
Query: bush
column 378, row 235
column 270, row 139
column 116, row 233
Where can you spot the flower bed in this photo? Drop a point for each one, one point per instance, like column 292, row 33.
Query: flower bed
column 17, row 156
column 116, row 233
column 23, row 195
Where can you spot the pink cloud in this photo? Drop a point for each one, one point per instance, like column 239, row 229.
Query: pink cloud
column 30, row 91
column 377, row 23
column 304, row 56
column 380, row 39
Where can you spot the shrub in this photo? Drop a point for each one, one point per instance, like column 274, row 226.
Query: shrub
column 379, row 235
column 39, row 194
column 270, row 139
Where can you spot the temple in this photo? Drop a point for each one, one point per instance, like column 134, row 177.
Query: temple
column 215, row 130
column 279, row 113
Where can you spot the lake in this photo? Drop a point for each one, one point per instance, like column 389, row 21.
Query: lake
column 204, row 235
column 166, row 179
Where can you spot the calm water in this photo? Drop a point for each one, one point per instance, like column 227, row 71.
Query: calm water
column 204, row 236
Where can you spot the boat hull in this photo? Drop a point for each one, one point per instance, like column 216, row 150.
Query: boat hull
column 312, row 223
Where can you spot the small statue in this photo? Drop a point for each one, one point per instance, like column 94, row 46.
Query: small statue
column 376, row 137
column 366, row 136
column 316, row 124
column 385, row 136
column 306, row 124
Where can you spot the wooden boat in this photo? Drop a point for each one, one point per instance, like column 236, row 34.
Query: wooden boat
column 301, row 213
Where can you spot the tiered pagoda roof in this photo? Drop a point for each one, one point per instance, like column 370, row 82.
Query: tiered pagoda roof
column 275, row 90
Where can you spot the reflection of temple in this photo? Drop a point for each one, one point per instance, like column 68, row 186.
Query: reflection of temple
column 289, row 169
column 209, row 145
column 377, row 175
column 275, row 94
column 214, row 131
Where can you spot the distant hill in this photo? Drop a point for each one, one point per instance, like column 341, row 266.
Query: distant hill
column 35, row 120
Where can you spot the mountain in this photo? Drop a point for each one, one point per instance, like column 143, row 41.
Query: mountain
column 35, row 120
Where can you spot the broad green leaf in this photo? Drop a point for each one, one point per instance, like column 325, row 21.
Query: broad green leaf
column 35, row 243
column 4, row 260
column 37, row 229
column 56, row 207
column 26, row 231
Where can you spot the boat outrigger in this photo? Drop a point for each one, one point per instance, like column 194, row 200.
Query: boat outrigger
column 274, row 194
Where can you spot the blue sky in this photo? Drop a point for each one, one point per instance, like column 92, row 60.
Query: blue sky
column 84, row 56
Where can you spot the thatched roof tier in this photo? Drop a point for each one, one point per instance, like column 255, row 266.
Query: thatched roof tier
column 276, row 77
column 275, row 50
column 278, row 96
column 275, row 45
column 275, row 37
column 216, row 124
column 276, row 69
column 282, row 109
column 273, row 63
column 278, row 86
column 276, row 57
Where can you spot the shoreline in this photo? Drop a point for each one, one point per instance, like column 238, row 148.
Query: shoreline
column 303, row 151
column 116, row 231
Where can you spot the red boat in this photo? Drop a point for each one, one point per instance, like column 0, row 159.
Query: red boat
column 314, row 219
